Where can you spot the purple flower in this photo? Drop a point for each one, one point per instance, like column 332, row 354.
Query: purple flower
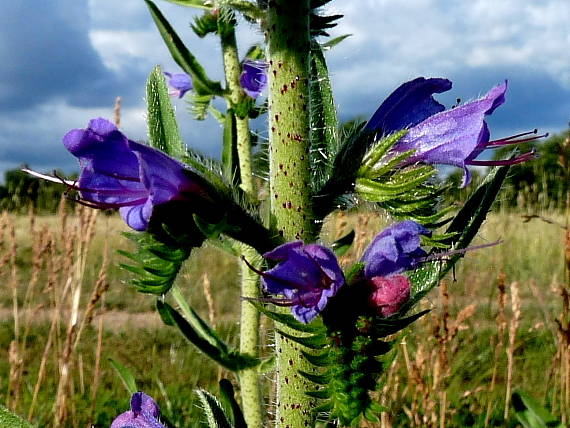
column 119, row 173
column 307, row 275
column 144, row 413
column 179, row 82
column 393, row 251
column 253, row 77
column 438, row 136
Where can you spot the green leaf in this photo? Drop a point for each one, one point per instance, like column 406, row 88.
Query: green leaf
column 319, row 379
column 315, row 341
column 162, row 126
column 379, row 150
column 183, row 57
column 165, row 315
column 206, row 340
column 289, row 320
column 322, row 115
column 531, row 414
column 463, row 228
column 230, row 404
column 11, row 420
column 158, row 263
column 342, row 245
column 215, row 414
column 334, row 41
column 200, row 105
column 267, row 365
column 249, row 9
column 125, row 375
column 320, row 360
column 200, row 4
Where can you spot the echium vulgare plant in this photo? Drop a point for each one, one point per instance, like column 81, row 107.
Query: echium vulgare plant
column 335, row 327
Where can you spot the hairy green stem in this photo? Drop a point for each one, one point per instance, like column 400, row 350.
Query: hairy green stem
column 288, row 53
column 235, row 95
column 249, row 318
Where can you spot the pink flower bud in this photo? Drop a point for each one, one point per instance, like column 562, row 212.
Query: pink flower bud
column 389, row 293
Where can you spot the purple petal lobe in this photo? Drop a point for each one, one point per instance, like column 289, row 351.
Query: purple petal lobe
column 408, row 105
column 180, row 82
column 144, row 413
column 253, row 78
column 307, row 275
column 454, row 136
column 394, row 250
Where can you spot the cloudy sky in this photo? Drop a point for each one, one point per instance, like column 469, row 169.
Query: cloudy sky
column 65, row 61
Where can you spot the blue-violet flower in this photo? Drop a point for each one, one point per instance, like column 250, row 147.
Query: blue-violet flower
column 253, row 77
column 307, row 275
column 179, row 82
column 438, row 136
column 119, row 173
column 392, row 252
column 144, row 413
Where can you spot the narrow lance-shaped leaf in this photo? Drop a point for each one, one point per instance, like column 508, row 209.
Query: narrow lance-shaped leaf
column 199, row 4
column 182, row 56
column 162, row 126
column 210, row 344
column 125, row 375
column 323, row 117
column 231, row 406
column 215, row 414
column 531, row 414
column 464, row 227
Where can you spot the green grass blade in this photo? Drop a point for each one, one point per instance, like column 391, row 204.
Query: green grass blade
column 125, row 375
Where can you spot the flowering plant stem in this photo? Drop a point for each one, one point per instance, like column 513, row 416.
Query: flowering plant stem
column 288, row 50
column 249, row 318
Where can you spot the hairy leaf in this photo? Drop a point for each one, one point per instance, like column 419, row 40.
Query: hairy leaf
column 162, row 126
column 181, row 54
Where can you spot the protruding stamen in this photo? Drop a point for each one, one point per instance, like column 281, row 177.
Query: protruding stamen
column 289, row 284
column 515, row 139
column 519, row 159
column 441, row 256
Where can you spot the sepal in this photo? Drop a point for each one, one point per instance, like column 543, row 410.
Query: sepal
column 156, row 263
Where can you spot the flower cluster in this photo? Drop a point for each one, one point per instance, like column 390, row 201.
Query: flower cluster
column 450, row 137
column 308, row 276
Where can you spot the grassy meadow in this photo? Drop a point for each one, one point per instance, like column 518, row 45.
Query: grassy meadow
column 66, row 308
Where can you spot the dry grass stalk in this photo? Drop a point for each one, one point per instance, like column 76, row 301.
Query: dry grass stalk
column 499, row 340
column 562, row 356
column 117, row 112
column 97, row 368
column 513, row 327
column 87, row 218
column 15, row 358
column 207, row 287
